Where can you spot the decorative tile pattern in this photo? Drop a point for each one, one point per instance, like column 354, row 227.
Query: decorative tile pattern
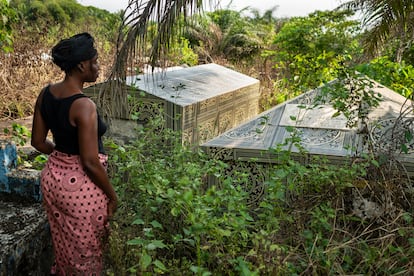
column 392, row 134
column 252, row 130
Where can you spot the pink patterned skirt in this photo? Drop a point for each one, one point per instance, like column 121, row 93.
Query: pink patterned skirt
column 77, row 214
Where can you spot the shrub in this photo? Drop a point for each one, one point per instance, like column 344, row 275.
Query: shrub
column 310, row 220
column 397, row 76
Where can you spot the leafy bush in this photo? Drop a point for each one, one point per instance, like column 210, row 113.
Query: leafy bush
column 308, row 50
column 174, row 221
column 180, row 53
column 311, row 218
column 57, row 13
column 8, row 18
column 19, row 134
column 397, row 76
column 66, row 17
column 37, row 11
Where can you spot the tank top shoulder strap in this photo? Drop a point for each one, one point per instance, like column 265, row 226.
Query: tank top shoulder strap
column 77, row 96
column 46, row 90
column 53, row 106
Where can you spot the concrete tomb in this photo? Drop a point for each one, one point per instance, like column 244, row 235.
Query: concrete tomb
column 25, row 243
column 201, row 101
column 246, row 147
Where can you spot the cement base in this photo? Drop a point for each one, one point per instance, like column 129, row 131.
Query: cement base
column 25, row 243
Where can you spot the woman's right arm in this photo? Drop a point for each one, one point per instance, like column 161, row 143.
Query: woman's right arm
column 86, row 120
column 39, row 130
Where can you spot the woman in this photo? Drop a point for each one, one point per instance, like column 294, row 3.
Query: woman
column 77, row 194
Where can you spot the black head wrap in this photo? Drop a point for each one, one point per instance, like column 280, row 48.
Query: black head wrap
column 71, row 51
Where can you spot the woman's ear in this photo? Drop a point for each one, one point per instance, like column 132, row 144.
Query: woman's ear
column 81, row 66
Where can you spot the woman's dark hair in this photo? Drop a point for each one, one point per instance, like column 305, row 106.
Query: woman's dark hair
column 70, row 51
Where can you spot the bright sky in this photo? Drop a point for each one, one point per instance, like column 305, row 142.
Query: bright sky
column 285, row 7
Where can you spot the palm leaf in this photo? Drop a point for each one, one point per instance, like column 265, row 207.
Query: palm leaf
column 385, row 20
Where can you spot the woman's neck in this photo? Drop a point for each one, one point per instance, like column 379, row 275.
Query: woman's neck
column 72, row 83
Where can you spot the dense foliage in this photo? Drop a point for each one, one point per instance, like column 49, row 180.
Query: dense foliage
column 308, row 50
column 8, row 18
column 398, row 76
column 312, row 219
column 315, row 219
column 60, row 18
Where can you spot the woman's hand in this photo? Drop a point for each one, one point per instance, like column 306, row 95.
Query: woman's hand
column 112, row 206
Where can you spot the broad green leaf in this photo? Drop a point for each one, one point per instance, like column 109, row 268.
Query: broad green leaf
column 136, row 241
column 160, row 265
column 336, row 114
column 138, row 221
column 375, row 163
column 188, row 196
column 155, row 244
column 246, row 216
column 224, row 232
column 404, row 148
column 145, row 260
column 156, row 224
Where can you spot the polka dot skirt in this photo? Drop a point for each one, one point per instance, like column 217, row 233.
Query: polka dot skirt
column 77, row 214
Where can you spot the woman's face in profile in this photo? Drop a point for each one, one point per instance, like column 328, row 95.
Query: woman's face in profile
column 93, row 69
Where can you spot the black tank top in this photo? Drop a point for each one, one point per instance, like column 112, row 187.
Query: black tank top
column 55, row 113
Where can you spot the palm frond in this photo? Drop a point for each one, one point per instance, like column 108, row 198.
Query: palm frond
column 384, row 20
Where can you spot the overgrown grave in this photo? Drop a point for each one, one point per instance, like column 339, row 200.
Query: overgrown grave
column 320, row 125
column 200, row 102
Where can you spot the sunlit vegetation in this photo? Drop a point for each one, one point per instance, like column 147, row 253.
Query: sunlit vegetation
column 170, row 220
